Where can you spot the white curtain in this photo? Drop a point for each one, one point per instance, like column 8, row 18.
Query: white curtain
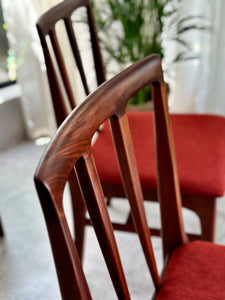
column 21, row 17
column 198, row 85
column 214, row 98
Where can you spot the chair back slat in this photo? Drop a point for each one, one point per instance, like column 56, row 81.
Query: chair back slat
column 167, row 175
column 46, row 26
column 98, row 212
column 76, row 53
column 70, row 273
column 99, row 67
column 129, row 172
column 62, row 69
column 71, row 147
column 60, row 108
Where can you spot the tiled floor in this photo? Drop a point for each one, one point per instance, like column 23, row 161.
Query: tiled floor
column 26, row 265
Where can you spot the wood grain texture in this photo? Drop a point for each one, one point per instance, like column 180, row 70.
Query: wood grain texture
column 62, row 92
column 71, row 147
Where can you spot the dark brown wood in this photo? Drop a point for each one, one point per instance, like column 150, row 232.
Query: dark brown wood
column 67, row 150
column 206, row 210
column 97, row 208
column 78, row 211
column 168, row 184
column 1, row 229
column 71, row 149
column 123, row 144
column 46, row 27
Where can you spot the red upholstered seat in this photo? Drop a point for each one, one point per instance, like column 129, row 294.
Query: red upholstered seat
column 201, row 176
column 195, row 271
column 201, row 172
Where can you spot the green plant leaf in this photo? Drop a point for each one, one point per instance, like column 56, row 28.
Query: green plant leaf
column 132, row 29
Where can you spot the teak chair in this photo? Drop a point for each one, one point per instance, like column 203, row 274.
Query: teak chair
column 199, row 139
column 193, row 270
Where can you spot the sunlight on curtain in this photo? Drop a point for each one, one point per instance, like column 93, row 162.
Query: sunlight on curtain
column 214, row 98
column 198, row 84
column 21, row 17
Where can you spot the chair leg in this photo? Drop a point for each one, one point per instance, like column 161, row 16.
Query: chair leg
column 1, row 229
column 79, row 210
column 108, row 201
column 205, row 208
column 208, row 220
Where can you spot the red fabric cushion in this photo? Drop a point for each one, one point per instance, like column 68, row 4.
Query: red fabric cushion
column 199, row 145
column 195, row 271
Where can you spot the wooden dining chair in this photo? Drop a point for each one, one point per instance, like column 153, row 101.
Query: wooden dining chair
column 192, row 270
column 199, row 139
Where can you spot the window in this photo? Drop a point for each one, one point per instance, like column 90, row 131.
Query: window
column 7, row 57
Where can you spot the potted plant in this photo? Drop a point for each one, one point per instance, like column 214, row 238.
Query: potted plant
column 132, row 29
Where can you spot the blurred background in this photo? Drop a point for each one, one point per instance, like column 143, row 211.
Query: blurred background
column 193, row 36
column 189, row 35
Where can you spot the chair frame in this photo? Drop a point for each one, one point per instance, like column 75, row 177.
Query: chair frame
column 67, row 150
column 204, row 207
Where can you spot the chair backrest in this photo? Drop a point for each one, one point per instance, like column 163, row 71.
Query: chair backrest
column 59, row 81
column 71, row 148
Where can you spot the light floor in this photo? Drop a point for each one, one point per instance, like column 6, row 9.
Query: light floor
column 26, row 265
